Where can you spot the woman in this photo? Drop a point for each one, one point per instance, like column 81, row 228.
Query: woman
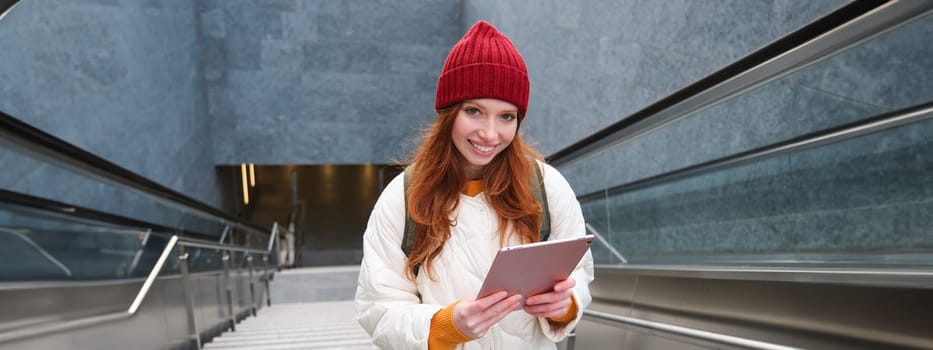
column 468, row 194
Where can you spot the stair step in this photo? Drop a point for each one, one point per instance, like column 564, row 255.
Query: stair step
column 263, row 329
column 335, row 344
column 228, row 338
column 310, row 339
column 328, row 325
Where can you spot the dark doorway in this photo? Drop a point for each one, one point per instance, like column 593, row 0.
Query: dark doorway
column 328, row 204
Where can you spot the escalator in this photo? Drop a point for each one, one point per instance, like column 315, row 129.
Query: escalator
column 784, row 205
column 161, row 270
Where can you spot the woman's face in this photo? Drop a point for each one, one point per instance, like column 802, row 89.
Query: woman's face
column 482, row 129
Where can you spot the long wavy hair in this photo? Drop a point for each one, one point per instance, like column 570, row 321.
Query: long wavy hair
column 436, row 179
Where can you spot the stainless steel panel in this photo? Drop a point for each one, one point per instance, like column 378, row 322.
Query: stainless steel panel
column 32, row 303
column 800, row 314
column 597, row 335
column 160, row 323
column 176, row 319
column 614, row 285
column 210, row 307
column 146, row 330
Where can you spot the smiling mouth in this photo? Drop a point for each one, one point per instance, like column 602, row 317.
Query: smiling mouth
column 482, row 149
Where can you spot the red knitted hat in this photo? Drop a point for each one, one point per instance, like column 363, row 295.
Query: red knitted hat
column 483, row 64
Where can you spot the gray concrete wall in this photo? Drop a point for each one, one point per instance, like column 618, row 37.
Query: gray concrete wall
column 120, row 79
column 868, row 194
column 594, row 64
column 323, row 82
column 351, row 82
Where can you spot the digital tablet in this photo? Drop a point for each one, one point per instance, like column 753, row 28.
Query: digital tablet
column 532, row 269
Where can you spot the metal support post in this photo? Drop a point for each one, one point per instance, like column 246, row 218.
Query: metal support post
column 252, row 285
column 189, row 294
column 228, row 292
column 265, row 263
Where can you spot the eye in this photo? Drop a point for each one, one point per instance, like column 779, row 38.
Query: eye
column 509, row 117
column 471, row 110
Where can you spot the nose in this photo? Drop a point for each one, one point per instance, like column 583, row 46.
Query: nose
column 487, row 130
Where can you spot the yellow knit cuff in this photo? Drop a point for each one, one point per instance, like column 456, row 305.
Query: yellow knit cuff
column 571, row 313
column 444, row 333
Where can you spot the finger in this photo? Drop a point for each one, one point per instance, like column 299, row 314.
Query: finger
column 565, row 284
column 471, row 319
column 550, row 297
column 503, row 307
column 552, row 314
column 484, row 303
column 514, row 304
column 561, row 289
column 548, row 309
column 468, row 314
column 479, row 325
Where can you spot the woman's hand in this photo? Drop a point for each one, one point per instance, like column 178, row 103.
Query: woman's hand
column 474, row 317
column 552, row 304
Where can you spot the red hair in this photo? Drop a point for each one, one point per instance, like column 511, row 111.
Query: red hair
column 436, row 179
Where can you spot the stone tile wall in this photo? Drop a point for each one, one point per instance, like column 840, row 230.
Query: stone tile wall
column 120, row 79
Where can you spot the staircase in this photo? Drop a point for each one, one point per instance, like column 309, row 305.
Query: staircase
column 317, row 325
column 312, row 308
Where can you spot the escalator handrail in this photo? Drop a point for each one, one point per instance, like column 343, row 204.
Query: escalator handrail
column 847, row 26
column 6, row 7
column 82, row 213
column 199, row 243
column 718, row 338
column 900, row 277
column 811, row 140
column 71, row 156
column 173, row 242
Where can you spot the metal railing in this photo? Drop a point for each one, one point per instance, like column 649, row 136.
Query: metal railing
column 282, row 242
column 41, row 251
column 612, row 250
column 668, row 329
column 179, row 243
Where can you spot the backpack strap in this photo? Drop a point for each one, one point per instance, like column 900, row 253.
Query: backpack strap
column 408, row 238
column 537, row 187
column 541, row 196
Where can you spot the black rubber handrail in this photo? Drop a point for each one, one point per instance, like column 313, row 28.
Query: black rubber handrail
column 821, row 137
column 6, row 5
column 38, row 141
column 807, row 33
column 59, row 208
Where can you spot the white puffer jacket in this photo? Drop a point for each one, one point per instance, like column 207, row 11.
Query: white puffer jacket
column 397, row 312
